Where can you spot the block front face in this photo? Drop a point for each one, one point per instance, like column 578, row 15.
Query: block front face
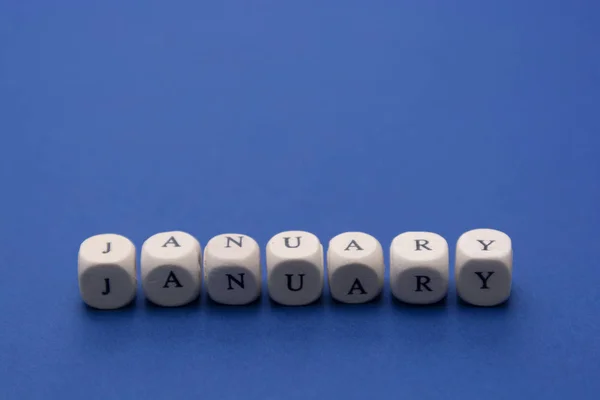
column 107, row 271
column 419, row 285
column 171, row 268
column 232, row 269
column 295, row 268
column 484, row 282
column 295, row 282
column 355, row 283
column 419, row 264
column 355, row 267
column 171, row 285
column 483, row 269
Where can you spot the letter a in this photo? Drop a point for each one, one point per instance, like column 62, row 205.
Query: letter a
column 171, row 241
column 172, row 279
column 355, row 245
column 357, row 286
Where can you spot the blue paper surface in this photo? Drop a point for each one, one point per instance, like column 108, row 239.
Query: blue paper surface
column 260, row 117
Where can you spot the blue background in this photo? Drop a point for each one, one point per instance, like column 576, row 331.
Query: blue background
column 327, row 116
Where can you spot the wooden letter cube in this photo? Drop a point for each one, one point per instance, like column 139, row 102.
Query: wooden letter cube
column 483, row 267
column 171, row 268
column 295, row 268
column 232, row 269
column 419, row 264
column 107, row 271
column 355, row 267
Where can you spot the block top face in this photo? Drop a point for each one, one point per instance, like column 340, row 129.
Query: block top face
column 354, row 245
column 294, row 244
column 419, row 246
column 108, row 248
column 485, row 243
column 170, row 245
column 232, row 246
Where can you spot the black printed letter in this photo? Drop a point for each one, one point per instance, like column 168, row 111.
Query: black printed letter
column 287, row 242
column 240, row 283
column 289, row 282
column 484, row 280
column 422, row 243
column 357, row 286
column 107, row 248
column 229, row 240
column 172, row 279
column 422, row 280
column 171, row 241
column 355, row 245
column 485, row 246
column 107, row 287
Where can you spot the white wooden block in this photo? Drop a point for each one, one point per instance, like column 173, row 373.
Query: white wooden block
column 295, row 268
column 419, row 264
column 171, row 268
column 232, row 269
column 483, row 267
column 355, row 267
column 107, row 271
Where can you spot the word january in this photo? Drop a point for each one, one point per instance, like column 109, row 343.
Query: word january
column 174, row 268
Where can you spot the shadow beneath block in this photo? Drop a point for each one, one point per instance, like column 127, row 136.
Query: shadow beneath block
column 96, row 314
column 315, row 307
column 422, row 310
column 250, row 309
column 192, row 307
column 464, row 306
column 371, row 307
